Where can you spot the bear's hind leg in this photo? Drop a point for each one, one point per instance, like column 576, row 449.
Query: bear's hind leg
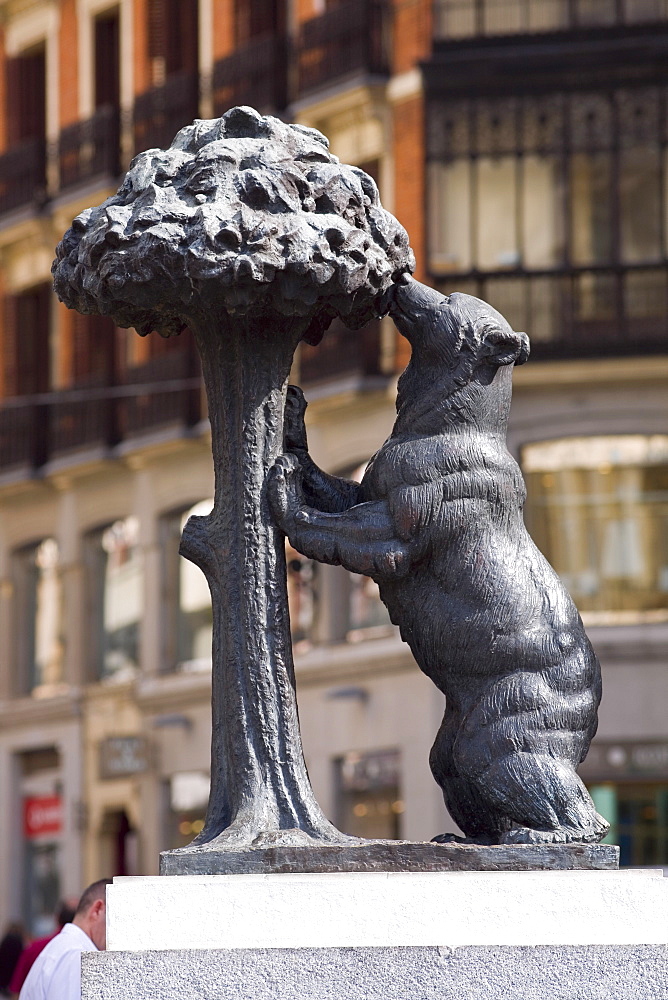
column 468, row 808
column 542, row 799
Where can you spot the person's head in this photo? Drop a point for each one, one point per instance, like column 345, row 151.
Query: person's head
column 66, row 910
column 91, row 913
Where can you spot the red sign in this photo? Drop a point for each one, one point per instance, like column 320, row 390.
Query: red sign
column 43, row 814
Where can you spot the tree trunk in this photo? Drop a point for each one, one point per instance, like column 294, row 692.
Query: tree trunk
column 260, row 791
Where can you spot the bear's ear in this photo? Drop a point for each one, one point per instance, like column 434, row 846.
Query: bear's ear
column 503, row 346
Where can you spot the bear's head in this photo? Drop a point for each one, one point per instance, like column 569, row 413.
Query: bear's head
column 460, row 345
column 440, row 328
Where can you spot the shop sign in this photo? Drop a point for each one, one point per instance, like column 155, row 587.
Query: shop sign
column 42, row 815
column 626, row 759
column 123, row 756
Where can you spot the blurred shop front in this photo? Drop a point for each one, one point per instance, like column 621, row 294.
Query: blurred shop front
column 628, row 781
column 42, row 834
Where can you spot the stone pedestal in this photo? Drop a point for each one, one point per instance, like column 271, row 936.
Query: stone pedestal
column 385, row 936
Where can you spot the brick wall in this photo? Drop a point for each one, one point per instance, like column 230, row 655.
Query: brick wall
column 68, row 53
column 412, row 33
column 409, row 200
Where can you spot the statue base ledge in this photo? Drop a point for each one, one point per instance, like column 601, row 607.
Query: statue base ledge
column 563, row 972
column 389, row 856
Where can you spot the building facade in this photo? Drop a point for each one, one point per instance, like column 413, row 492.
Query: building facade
column 524, row 146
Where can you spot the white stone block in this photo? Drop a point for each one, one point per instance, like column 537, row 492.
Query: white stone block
column 370, row 909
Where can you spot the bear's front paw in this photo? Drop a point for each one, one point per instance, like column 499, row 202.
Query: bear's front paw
column 284, row 490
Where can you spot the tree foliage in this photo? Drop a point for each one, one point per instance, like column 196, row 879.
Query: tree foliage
column 243, row 215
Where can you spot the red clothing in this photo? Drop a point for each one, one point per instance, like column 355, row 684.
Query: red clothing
column 25, row 962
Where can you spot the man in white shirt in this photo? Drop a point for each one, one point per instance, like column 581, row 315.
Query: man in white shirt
column 56, row 974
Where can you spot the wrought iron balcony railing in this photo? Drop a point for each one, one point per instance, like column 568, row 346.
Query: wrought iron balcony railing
column 161, row 396
column 341, row 353
column 586, row 312
column 353, row 37
column 89, row 148
column 161, row 112
column 23, row 175
column 455, row 19
column 255, row 74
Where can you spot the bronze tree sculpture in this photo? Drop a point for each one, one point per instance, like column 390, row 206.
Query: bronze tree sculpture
column 249, row 232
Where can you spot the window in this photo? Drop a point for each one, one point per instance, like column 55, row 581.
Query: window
column 26, row 96
column 173, row 36
column 188, row 626
column 185, row 799
column 302, row 595
column 39, row 616
column 27, row 356
column 598, row 510
column 107, row 60
column 569, row 191
column 369, row 799
column 256, row 17
column 638, row 817
column 464, row 18
column 500, row 176
column 367, row 615
column 116, row 582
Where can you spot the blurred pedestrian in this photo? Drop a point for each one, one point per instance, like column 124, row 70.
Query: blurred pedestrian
column 56, row 974
column 64, row 914
column 11, row 947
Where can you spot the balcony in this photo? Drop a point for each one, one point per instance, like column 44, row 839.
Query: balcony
column 161, row 112
column 23, row 175
column 162, row 396
column 342, row 353
column 593, row 312
column 351, row 38
column 255, row 74
column 90, row 148
column 454, row 19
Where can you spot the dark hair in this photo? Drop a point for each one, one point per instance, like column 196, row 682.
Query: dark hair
column 96, row 890
column 65, row 913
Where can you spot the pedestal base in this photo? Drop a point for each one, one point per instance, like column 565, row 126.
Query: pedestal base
column 374, row 909
column 625, row 972
column 389, row 856
column 557, row 935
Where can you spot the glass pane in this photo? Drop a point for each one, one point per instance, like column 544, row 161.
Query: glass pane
column 594, row 298
column 450, row 215
column 195, row 617
column 48, row 641
column 504, row 17
column 366, row 610
column 642, row 824
column 646, row 304
column 302, row 593
column 123, row 599
column 591, row 208
column 509, row 297
column 546, row 15
column 41, row 886
column 640, row 204
column 454, row 18
column 542, row 237
column 644, row 10
column 595, row 12
column 665, row 203
column 598, row 510
column 497, row 242
column 544, row 302
column 369, row 794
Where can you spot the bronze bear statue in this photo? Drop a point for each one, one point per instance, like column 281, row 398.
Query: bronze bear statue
column 437, row 522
